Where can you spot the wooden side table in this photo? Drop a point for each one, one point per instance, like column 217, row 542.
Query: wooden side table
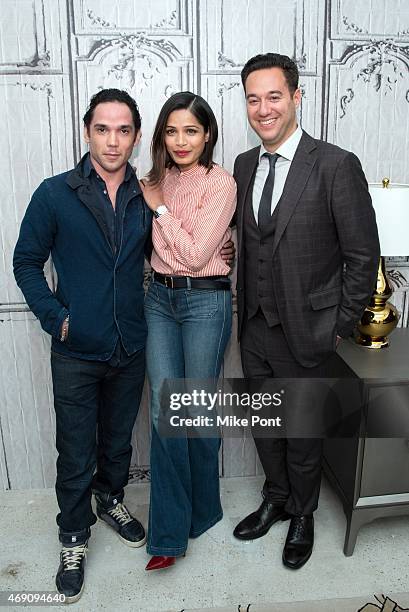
column 371, row 475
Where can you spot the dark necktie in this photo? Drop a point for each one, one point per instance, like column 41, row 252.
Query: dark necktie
column 264, row 211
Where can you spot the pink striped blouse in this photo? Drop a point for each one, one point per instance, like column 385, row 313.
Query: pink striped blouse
column 187, row 240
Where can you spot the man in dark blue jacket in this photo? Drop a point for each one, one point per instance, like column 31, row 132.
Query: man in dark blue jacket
column 95, row 223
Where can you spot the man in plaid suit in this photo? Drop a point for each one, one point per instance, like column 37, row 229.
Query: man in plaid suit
column 308, row 256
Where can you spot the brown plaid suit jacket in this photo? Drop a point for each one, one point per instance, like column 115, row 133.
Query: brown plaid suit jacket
column 325, row 254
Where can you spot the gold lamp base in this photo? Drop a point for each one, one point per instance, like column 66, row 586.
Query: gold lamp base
column 381, row 317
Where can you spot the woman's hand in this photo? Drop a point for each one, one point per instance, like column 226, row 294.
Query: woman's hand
column 228, row 252
column 153, row 194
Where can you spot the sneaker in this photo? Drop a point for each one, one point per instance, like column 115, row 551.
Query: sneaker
column 70, row 575
column 127, row 528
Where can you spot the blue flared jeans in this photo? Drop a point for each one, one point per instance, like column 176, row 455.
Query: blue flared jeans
column 188, row 330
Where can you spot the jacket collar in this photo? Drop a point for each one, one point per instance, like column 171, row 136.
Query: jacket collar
column 300, row 170
column 246, row 178
column 306, row 145
column 79, row 176
column 252, row 160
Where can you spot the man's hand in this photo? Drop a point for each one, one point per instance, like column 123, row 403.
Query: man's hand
column 153, row 195
column 338, row 341
column 228, row 252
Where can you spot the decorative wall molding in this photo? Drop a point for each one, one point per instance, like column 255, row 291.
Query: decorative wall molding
column 345, row 100
column 46, row 87
column 226, row 62
column 37, row 61
column 160, row 17
column 95, row 20
column 384, row 19
column 399, row 276
column 352, row 27
column 36, row 50
column 32, row 113
column 237, row 34
column 137, row 57
column 136, row 45
column 223, row 87
column 381, row 67
column 367, row 90
column 354, row 66
column 168, row 24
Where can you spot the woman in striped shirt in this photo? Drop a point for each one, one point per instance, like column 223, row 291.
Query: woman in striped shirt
column 188, row 311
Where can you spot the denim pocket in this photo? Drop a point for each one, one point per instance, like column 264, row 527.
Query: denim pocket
column 202, row 303
column 152, row 299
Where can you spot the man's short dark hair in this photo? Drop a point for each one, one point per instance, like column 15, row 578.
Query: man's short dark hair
column 272, row 60
column 113, row 95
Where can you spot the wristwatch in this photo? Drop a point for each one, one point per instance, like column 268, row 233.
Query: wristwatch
column 161, row 210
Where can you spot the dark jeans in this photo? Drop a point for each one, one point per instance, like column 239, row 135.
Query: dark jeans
column 292, row 466
column 93, row 397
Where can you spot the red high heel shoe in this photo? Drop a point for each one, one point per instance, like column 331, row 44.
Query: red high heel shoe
column 157, row 563
column 160, row 562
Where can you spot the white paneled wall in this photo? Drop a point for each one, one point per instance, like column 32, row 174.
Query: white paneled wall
column 353, row 57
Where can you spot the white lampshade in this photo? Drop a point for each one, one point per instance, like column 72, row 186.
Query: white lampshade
column 391, row 206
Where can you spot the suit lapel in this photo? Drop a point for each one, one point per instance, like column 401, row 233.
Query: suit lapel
column 298, row 175
column 245, row 180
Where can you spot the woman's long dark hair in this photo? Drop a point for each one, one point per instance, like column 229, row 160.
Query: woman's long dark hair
column 184, row 100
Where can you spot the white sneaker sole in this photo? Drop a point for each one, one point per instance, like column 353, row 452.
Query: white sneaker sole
column 74, row 598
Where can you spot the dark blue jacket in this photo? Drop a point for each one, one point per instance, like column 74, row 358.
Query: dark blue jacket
column 101, row 291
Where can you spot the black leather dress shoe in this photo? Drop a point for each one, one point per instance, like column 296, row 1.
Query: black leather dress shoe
column 256, row 524
column 299, row 542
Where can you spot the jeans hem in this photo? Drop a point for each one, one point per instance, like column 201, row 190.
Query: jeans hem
column 78, row 527
column 106, row 498
column 198, row 532
column 166, row 552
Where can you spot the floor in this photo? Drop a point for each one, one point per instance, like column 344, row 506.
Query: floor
column 219, row 572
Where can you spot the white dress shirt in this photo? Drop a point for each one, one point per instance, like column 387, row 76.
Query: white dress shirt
column 286, row 151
